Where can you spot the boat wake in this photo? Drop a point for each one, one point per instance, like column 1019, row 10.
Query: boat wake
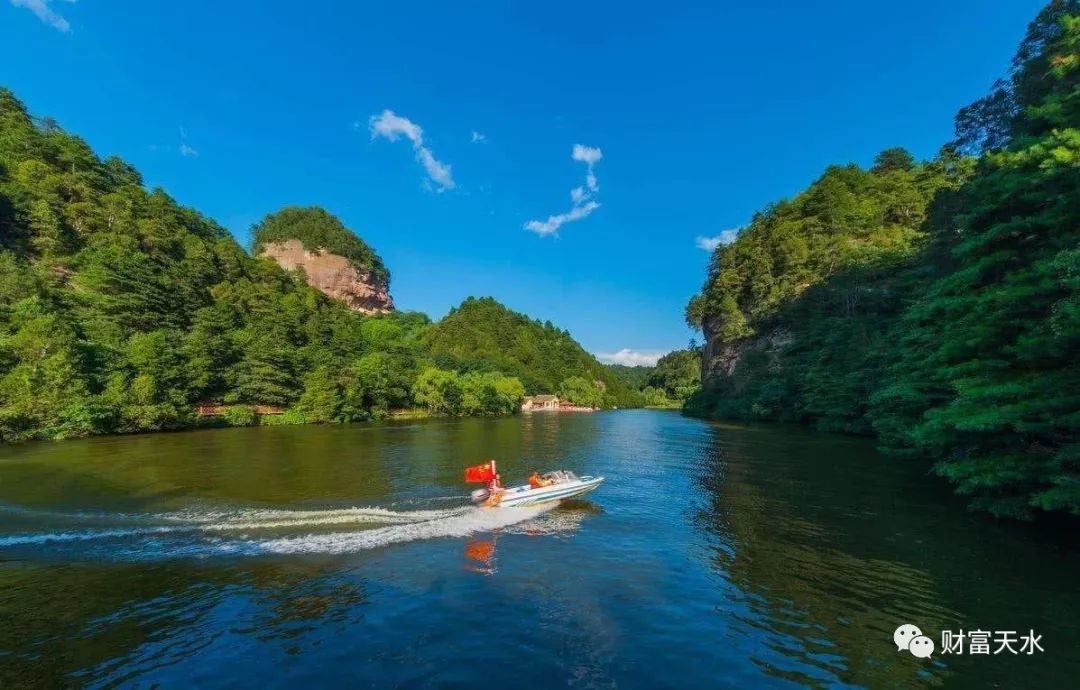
column 470, row 521
column 247, row 531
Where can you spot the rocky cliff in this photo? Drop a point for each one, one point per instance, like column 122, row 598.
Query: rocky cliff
column 719, row 359
column 333, row 275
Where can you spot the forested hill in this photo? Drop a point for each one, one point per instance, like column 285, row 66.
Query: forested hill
column 122, row 311
column 482, row 334
column 935, row 304
column 633, row 376
column 669, row 382
column 849, row 218
column 794, row 310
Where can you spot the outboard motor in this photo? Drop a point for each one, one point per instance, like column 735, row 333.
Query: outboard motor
column 480, row 495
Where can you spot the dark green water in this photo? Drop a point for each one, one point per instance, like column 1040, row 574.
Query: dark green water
column 713, row 556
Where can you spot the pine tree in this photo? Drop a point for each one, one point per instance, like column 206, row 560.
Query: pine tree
column 990, row 382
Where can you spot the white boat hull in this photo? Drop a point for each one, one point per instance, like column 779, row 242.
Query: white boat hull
column 528, row 496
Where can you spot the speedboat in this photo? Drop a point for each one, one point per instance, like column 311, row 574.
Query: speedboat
column 558, row 485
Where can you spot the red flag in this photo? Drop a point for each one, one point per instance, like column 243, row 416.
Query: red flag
column 479, row 473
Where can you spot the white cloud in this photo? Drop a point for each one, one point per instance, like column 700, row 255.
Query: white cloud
column 553, row 223
column 581, row 197
column 710, row 244
column 631, row 358
column 587, row 154
column 438, row 172
column 392, row 127
column 42, row 11
column 478, row 137
column 184, row 149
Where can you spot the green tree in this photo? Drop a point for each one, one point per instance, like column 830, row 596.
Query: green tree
column 150, row 391
column 677, row 374
column 439, row 391
column 381, row 383
column 322, row 399
column 988, row 382
column 490, row 393
column 656, row 397
column 509, row 394
column 581, row 391
column 265, row 373
column 45, row 389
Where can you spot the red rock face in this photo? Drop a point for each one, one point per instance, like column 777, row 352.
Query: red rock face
column 334, row 276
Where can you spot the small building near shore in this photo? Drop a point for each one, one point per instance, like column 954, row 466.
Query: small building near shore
column 540, row 402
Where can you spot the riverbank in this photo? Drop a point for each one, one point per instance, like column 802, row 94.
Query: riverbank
column 243, row 416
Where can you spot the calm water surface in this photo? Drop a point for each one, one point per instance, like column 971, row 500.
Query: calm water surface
column 348, row 556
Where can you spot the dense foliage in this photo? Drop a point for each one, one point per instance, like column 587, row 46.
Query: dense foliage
column 825, row 307
column 988, row 377
column 848, row 218
column 633, row 376
column 581, row 392
column 483, row 335
column 475, row 393
column 317, row 229
column 676, row 375
column 122, row 311
column 952, row 330
column 668, row 383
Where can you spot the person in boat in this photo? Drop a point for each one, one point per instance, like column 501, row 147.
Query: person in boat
column 495, row 490
column 536, row 481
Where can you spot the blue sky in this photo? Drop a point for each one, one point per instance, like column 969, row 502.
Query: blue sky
column 689, row 118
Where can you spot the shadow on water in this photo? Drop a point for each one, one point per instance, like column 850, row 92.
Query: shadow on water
column 831, row 547
column 110, row 624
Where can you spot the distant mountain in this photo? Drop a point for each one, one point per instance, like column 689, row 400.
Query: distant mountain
column 635, row 377
column 483, row 335
column 675, row 377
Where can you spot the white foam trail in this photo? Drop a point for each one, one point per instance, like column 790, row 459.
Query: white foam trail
column 203, row 533
column 82, row 535
column 249, row 519
column 208, row 516
column 271, row 519
column 468, row 522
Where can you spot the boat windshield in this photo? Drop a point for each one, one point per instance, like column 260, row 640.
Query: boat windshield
column 560, row 476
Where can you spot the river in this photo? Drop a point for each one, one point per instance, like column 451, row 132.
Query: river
column 714, row 555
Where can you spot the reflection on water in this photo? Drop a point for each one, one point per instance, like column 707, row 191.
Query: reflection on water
column 817, row 611
column 482, row 554
column 714, row 556
column 562, row 521
column 831, row 548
